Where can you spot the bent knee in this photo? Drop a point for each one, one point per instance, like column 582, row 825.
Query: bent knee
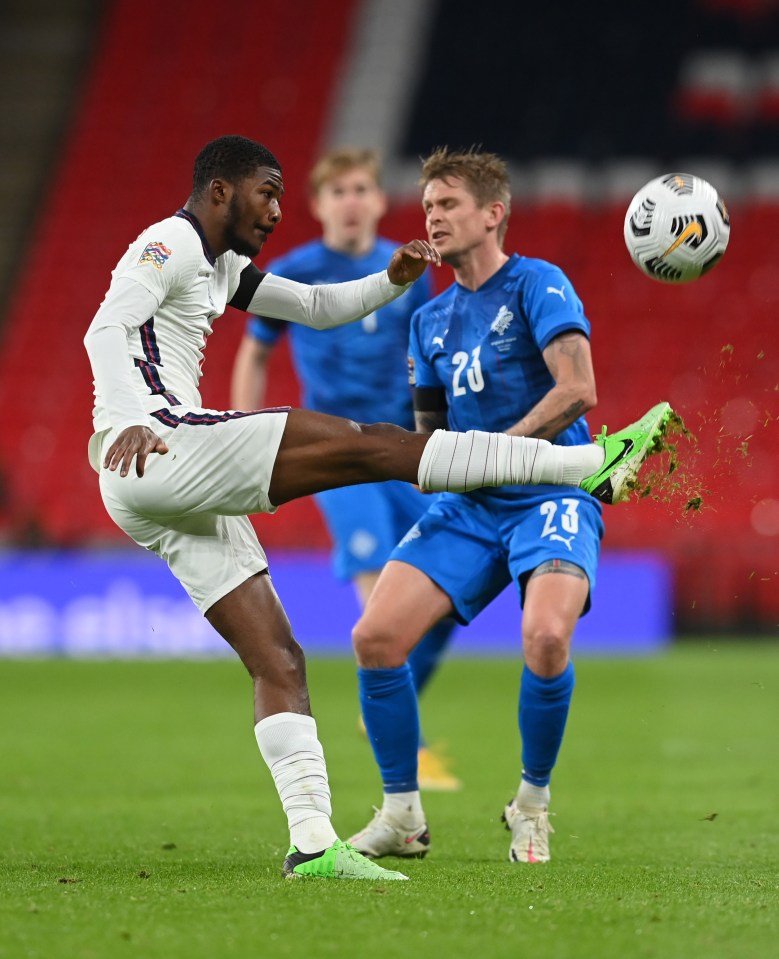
column 285, row 666
column 376, row 647
column 546, row 650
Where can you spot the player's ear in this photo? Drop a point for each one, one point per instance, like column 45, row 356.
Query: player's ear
column 382, row 203
column 313, row 207
column 496, row 213
column 220, row 191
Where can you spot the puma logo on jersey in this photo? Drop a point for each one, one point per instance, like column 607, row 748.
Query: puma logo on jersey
column 411, row 535
column 439, row 340
column 502, row 321
column 563, row 539
column 560, row 292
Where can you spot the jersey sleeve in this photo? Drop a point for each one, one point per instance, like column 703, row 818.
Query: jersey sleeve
column 242, row 282
column 265, row 329
column 268, row 329
column 243, row 278
column 324, row 306
column 553, row 307
column 121, row 313
column 162, row 260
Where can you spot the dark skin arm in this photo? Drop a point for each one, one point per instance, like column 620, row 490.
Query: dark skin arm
column 406, row 264
column 569, row 360
column 409, row 261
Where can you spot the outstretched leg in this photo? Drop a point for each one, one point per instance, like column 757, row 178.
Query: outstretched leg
column 319, row 452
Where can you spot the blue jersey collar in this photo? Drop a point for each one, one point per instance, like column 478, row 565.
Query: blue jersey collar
column 496, row 279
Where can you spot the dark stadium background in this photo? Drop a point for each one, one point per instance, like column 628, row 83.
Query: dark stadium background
column 106, row 104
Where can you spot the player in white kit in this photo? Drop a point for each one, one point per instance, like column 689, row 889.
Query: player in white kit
column 188, row 503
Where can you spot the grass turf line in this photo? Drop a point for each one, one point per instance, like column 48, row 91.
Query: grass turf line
column 138, row 819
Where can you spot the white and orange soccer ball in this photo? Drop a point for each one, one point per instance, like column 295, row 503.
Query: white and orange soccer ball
column 676, row 228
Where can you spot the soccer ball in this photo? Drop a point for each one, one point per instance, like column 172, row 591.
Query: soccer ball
column 676, row 228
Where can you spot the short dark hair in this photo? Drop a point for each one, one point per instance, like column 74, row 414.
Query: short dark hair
column 232, row 158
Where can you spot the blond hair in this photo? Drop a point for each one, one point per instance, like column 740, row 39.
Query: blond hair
column 485, row 176
column 335, row 162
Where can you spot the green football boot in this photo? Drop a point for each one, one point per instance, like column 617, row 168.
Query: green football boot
column 625, row 452
column 339, row 861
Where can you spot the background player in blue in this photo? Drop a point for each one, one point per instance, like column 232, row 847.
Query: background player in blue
column 357, row 371
column 505, row 348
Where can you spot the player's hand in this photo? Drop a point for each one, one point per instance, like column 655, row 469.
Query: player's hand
column 408, row 262
column 134, row 442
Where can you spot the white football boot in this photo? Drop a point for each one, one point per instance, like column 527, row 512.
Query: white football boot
column 383, row 836
column 529, row 833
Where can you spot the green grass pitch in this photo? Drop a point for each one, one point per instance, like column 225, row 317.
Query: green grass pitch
column 137, row 819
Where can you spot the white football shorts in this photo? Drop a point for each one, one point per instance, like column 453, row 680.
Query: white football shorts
column 190, row 507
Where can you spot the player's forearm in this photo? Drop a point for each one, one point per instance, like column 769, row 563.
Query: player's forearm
column 561, row 407
column 324, row 306
column 249, row 378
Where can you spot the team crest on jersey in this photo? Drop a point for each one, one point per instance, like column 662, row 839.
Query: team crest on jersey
column 502, row 321
column 156, row 254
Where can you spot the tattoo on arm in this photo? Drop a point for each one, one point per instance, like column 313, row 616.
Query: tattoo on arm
column 569, row 361
column 569, row 344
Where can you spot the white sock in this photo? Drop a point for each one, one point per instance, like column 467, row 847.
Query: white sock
column 533, row 799
column 289, row 745
column 405, row 809
column 459, row 462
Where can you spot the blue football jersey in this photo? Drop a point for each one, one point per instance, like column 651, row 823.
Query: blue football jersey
column 357, row 370
column 485, row 346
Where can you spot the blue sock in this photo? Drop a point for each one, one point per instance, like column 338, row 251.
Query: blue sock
column 389, row 707
column 543, row 710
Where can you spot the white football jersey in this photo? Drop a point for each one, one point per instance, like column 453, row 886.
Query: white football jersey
column 146, row 341
column 173, row 262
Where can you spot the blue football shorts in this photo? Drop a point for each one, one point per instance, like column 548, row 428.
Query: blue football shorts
column 474, row 545
column 367, row 521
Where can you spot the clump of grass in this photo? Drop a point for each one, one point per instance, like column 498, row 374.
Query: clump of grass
column 674, row 443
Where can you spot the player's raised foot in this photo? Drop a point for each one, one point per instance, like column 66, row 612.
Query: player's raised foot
column 625, row 452
column 529, row 834
column 434, row 774
column 339, row 861
column 385, row 837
